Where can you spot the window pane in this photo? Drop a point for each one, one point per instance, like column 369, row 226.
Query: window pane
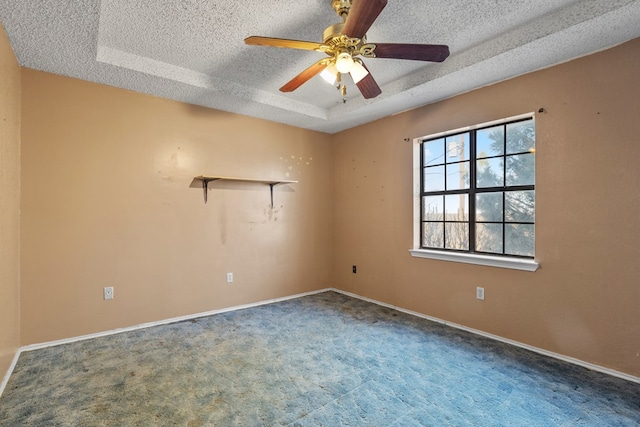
column 520, row 206
column 521, row 137
column 489, row 207
column 489, row 172
column 457, row 235
column 457, row 207
column 489, row 238
column 433, row 152
column 434, row 178
column 501, row 192
column 519, row 239
column 490, row 142
column 457, row 148
column 458, row 176
column 521, row 169
column 433, row 235
column 433, row 208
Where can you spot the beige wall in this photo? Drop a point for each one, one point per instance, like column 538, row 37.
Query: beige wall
column 106, row 201
column 583, row 301
column 9, row 204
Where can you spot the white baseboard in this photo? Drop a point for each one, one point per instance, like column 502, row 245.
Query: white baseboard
column 166, row 321
column 544, row 352
column 47, row 344
column 5, row 380
column 568, row 359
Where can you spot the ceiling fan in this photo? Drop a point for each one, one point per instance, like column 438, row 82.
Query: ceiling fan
column 345, row 42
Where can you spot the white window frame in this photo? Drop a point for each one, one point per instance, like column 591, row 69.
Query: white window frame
column 468, row 258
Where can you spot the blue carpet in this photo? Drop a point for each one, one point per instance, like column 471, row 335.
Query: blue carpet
column 320, row 360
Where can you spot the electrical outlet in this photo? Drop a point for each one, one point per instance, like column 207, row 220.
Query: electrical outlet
column 229, row 277
column 480, row 293
column 354, row 269
column 107, row 292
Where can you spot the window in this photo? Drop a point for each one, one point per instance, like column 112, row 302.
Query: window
column 477, row 193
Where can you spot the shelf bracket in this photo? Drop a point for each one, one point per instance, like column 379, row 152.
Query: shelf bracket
column 205, row 188
column 271, row 185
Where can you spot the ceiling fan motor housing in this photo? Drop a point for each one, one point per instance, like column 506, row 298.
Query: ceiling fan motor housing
column 341, row 43
column 332, row 32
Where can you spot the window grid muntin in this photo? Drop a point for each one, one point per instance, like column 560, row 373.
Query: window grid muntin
column 473, row 189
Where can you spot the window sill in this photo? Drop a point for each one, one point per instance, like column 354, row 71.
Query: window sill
column 490, row 261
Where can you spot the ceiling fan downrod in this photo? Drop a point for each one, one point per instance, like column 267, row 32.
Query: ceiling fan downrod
column 342, row 8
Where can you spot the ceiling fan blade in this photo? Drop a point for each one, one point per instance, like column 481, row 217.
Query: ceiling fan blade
column 361, row 16
column 368, row 86
column 305, row 76
column 284, row 43
column 417, row 52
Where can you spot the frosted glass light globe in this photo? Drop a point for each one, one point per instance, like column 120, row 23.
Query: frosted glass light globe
column 344, row 62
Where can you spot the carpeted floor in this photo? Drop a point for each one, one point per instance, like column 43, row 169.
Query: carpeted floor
column 320, row 360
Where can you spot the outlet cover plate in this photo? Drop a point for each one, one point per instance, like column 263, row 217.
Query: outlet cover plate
column 480, row 293
column 107, row 292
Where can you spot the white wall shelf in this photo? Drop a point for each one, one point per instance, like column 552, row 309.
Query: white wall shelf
column 206, row 179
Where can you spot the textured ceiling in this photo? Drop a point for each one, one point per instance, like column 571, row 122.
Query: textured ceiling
column 193, row 50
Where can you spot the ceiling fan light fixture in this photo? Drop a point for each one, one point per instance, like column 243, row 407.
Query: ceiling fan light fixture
column 344, row 62
column 358, row 72
column 330, row 74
